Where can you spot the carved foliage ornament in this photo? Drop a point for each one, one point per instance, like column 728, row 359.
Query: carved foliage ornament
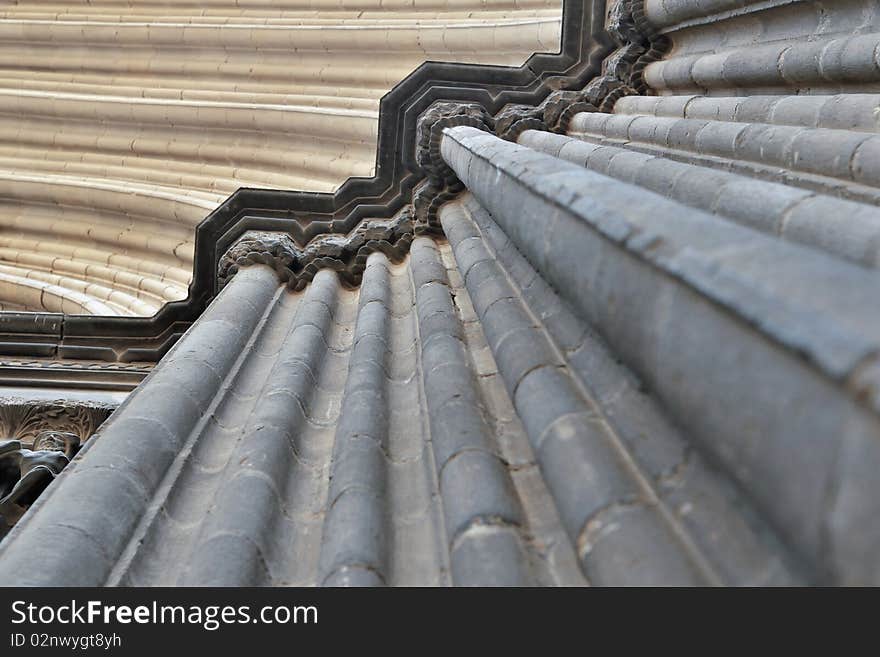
column 639, row 44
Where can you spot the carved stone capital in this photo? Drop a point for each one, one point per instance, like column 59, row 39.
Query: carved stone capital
column 277, row 250
column 344, row 253
column 429, row 133
column 347, row 254
column 622, row 75
column 639, row 44
column 512, row 120
column 560, row 106
column 428, row 196
column 441, row 183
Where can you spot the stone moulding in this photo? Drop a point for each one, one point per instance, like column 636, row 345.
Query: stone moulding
column 555, row 83
column 440, row 183
column 17, row 373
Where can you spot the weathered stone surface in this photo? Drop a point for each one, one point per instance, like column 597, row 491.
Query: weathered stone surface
column 647, row 353
column 761, row 337
column 125, row 124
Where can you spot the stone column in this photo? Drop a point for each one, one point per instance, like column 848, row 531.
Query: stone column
column 765, row 352
column 96, row 504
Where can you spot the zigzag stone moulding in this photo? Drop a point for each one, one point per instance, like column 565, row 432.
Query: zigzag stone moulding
column 585, row 42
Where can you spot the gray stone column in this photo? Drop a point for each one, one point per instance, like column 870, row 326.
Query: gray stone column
column 765, row 352
column 97, row 502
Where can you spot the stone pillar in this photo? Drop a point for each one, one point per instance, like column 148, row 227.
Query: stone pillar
column 130, row 455
column 763, row 351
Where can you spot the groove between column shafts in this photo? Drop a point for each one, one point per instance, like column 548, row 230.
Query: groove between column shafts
column 720, row 311
column 837, row 162
column 237, row 543
column 483, row 515
column 333, row 450
column 157, row 550
column 777, row 46
column 355, row 541
column 856, row 111
column 715, row 519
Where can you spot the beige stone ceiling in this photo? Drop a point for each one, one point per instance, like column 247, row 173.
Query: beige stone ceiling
column 124, row 123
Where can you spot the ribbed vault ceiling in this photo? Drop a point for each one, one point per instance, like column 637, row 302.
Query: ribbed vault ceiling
column 124, row 123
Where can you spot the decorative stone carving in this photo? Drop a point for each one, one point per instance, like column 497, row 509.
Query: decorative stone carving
column 512, row 120
column 346, row 254
column 560, row 106
column 277, row 250
column 26, row 473
column 429, row 134
column 441, row 183
column 24, row 420
column 639, row 44
column 42, row 438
